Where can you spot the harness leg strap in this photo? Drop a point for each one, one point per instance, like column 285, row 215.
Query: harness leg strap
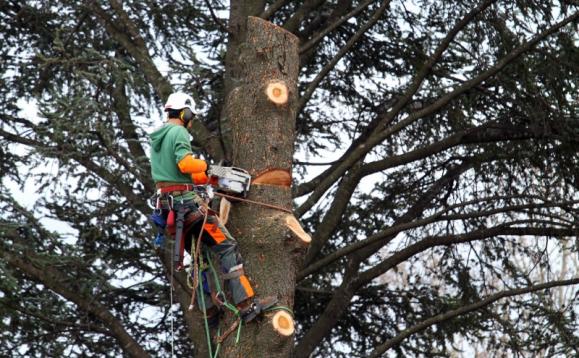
column 234, row 272
column 238, row 283
column 179, row 252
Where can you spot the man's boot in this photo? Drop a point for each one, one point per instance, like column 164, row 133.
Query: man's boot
column 253, row 307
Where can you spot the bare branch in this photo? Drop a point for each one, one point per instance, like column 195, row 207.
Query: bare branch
column 293, row 23
column 379, row 350
column 396, row 229
column 312, row 42
column 215, row 18
column 388, row 235
column 506, row 229
column 343, row 51
column 331, row 219
column 483, row 134
column 488, row 133
column 326, row 179
column 86, row 327
column 267, row 13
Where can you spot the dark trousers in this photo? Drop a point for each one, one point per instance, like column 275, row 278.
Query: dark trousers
column 218, row 239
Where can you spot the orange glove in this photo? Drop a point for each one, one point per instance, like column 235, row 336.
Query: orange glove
column 202, row 179
column 197, row 168
column 199, row 178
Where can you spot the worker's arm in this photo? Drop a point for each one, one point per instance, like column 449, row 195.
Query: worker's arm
column 191, row 165
column 196, row 167
column 185, row 160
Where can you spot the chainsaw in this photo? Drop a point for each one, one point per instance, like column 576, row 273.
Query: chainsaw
column 231, row 180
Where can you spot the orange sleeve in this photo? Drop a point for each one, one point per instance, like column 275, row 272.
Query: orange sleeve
column 190, row 165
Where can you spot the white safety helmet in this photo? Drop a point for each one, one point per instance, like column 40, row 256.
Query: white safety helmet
column 180, row 100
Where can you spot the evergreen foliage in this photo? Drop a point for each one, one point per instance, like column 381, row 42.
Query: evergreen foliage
column 435, row 167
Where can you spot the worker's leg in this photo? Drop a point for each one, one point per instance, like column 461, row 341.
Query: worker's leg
column 225, row 247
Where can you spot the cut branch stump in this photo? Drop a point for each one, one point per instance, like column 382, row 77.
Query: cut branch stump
column 283, row 323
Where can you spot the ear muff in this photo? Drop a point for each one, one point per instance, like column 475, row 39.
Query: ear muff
column 186, row 115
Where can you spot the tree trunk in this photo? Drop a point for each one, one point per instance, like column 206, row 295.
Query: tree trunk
column 263, row 133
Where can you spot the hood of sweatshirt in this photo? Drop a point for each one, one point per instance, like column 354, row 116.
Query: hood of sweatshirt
column 158, row 135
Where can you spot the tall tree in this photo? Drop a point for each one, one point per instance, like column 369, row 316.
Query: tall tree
column 433, row 152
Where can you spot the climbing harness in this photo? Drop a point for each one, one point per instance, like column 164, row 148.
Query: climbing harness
column 194, row 270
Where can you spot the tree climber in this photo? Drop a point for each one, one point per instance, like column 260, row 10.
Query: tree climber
column 183, row 188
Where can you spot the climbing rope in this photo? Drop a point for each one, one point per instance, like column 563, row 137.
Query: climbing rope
column 229, row 306
column 280, row 308
column 235, row 198
column 171, row 310
column 196, row 250
column 206, row 322
column 237, row 324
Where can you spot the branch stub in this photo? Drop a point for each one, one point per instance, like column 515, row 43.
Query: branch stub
column 283, row 323
column 277, row 92
column 294, row 225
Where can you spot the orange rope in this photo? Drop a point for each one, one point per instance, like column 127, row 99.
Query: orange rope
column 221, row 338
column 255, row 202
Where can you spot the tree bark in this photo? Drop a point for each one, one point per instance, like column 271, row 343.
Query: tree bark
column 238, row 13
column 263, row 134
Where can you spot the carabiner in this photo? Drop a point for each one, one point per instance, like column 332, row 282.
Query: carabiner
column 150, row 202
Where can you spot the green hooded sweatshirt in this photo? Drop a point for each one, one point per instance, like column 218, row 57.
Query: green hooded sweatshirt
column 169, row 144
